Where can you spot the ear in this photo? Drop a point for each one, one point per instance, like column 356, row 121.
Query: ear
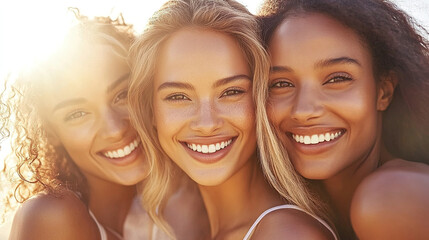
column 386, row 89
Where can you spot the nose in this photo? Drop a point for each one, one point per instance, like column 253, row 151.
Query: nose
column 206, row 120
column 114, row 123
column 307, row 104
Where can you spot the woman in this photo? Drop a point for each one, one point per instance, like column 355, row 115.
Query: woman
column 78, row 156
column 194, row 68
column 348, row 92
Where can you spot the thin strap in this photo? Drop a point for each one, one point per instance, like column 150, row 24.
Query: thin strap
column 286, row 206
column 103, row 234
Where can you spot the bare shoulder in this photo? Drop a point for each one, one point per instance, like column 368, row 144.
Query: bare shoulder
column 392, row 202
column 50, row 217
column 291, row 224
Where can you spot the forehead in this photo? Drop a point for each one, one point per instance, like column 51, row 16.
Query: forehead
column 91, row 64
column 83, row 74
column 315, row 33
column 199, row 52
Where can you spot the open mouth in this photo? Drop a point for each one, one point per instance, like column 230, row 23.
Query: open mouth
column 123, row 152
column 318, row 138
column 209, row 148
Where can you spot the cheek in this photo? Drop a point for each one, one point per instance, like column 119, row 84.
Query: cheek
column 242, row 115
column 359, row 105
column 278, row 111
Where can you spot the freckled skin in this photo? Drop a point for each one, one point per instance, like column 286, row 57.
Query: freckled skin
column 201, row 58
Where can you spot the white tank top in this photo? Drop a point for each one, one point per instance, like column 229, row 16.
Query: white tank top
column 103, row 234
column 137, row 226
column 286, row 206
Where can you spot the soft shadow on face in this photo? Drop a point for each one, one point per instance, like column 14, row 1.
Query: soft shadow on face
column 203, row 108
column 323, row 95
column 87, row 114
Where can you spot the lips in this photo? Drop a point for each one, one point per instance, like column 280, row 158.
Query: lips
column 208, row 150
column 211, row 148
column 312, row 141
column 317, row 138
column 122, row 152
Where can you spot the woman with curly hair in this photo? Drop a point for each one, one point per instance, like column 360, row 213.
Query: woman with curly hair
column 348, row 97
column 191, row 93
column 77, row 155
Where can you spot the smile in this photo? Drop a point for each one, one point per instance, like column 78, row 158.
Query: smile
column 123, row 152
column 317, row 138
column 211, row 148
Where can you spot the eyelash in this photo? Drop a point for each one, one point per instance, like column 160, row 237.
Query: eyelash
column 339, row 79
column 122, row 95
column 75, row 115
column 281, row 84
column 177, row 97
column 232, row 92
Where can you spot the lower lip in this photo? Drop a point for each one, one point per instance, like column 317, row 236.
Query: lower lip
column 312, row 149
column 126, row 160
column 208, row 158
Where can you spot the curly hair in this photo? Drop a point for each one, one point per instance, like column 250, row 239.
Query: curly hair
column 397, row 49
column 35, row 165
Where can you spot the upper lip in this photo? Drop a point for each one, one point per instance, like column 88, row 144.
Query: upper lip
column 207, row 140
column 120, row 145
column 313, row 130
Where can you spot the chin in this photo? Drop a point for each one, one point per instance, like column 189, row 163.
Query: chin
column 314, row 172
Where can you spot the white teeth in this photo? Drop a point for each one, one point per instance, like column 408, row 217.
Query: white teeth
column 120, row 153
column 316, row 138
column 307, row 140
column 204, row 149
column 327, row 137
column 211, row 148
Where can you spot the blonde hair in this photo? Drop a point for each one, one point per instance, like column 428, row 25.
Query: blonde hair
column 224, row 16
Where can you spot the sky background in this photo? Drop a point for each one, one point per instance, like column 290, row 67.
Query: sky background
column 28, row 23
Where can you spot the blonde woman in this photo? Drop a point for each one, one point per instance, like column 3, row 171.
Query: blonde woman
column 193, row 73
column 77, row 155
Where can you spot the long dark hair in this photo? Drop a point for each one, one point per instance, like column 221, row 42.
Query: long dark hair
column 397, row 49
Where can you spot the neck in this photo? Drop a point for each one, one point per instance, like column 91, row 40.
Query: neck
column 110, row 202
column 233, row 205
column 341, row 187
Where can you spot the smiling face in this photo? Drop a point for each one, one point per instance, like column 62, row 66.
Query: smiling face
column 203, row 108
column 86, row 110
column 324, row 101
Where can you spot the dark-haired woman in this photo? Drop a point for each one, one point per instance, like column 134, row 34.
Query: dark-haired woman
column 348, row 97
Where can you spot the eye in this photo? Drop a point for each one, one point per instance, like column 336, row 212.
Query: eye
column 281, row 84
column 177, row 97
column 232, row 92
column 122, row 96
column 339, row 78
column 75, row 115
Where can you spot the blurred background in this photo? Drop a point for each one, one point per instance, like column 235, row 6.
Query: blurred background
column 31, row 29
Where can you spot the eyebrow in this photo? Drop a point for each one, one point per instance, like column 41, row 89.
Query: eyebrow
column 68, row 102
column 227, row 80
column 334, row 61
column 117, row 82
column 218, row 83
column 275, row 69
column 75, row 101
